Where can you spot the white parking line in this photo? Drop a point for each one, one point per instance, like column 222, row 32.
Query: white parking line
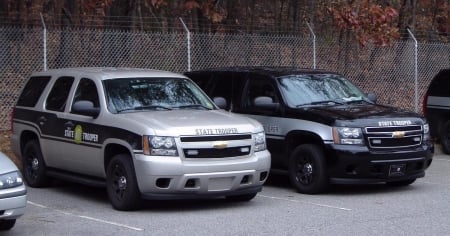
column 87, row 217
column 305, row 202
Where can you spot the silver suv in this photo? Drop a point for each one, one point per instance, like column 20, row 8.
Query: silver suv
column 141, row 133
column 13, row 193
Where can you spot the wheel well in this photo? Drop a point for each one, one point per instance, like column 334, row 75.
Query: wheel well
column 296, row 138
column 113, row 149
column 25, row 137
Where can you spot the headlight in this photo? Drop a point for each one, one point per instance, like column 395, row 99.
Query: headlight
column 159, row 146
column 10, row 180
column 347, row 135
column 426, row 128
column 260, row 142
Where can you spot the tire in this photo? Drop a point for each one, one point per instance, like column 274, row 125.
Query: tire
column 121, row 184
column 444, row 137
column 7, row 224
column 307, row 169
column 241, row 198
column 401, row 183
column 33, row 165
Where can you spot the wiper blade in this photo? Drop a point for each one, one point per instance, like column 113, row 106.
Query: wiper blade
column 326, row 102
column 358, row 101
column 194, row 106
column 140, row 108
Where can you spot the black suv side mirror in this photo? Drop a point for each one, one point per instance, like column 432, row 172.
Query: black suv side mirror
column 220, row 102
column 84, row 107
column 265, row 102
column 372, row 97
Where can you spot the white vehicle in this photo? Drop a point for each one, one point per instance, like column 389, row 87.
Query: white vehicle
column 13, row 193
column 141, row 133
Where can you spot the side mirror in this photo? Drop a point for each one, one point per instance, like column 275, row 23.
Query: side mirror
column 372, row 97
column 265, row 102
column 84, row 107
column 220, row 102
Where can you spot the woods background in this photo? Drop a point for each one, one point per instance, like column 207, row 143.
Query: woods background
column 391, row 48
column 375, row 21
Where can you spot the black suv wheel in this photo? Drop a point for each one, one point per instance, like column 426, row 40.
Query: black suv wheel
column 307, row 169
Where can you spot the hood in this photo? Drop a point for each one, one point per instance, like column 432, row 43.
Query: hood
column 6, row 165
column 192, row 122
column 371, row 114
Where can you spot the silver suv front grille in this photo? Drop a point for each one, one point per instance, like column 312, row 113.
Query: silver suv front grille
column 237, row 145
column 394, row 136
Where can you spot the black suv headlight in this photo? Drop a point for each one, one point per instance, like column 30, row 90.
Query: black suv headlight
column 348, row 135
column 159, row 146
column 10, row 180
column 426, row 131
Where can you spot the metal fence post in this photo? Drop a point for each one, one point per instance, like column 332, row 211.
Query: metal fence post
column 45, row 42
column 188, row 44
column 416, row 85
column 314, row 45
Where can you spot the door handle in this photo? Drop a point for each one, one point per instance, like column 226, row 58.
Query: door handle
column 69, row 124
column 42, row 120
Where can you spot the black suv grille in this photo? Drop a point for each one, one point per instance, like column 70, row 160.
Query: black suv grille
column 394, row 137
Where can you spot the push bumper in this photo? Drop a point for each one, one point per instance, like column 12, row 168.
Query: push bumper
column 12, row 203
column 177, row 178
column 358, row 165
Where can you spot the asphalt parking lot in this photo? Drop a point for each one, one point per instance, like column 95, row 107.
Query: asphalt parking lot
column 420, row 209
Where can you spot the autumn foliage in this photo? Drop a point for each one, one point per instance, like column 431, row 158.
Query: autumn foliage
column 377, row 22
column 370, row 22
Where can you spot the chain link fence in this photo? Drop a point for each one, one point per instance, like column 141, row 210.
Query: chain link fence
column 398, row 74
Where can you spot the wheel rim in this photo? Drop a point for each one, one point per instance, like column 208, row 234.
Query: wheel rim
column 305, row 171
column 32, row 166
column 119, row 182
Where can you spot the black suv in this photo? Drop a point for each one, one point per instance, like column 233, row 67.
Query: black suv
column 321, row 129
column 436, row 107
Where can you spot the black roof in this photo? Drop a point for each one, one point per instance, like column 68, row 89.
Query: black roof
column 274, row 71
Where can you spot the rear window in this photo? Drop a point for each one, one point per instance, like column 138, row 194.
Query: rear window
column 32, row 91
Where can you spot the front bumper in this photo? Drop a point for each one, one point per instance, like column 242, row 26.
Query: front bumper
column 177, row 178
column 359, row 165
column 12, row 202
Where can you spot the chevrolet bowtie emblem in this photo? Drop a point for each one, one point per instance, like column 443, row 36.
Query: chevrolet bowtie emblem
column 398, row 134
column 220, row 145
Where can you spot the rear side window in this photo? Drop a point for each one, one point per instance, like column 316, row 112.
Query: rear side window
column 32, row 91
column 440, row 86
column 57, row 98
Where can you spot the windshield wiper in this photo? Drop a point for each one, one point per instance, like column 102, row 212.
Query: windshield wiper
column 150, row 107
column 194, row 106
column 358, row 101
column 326, row 102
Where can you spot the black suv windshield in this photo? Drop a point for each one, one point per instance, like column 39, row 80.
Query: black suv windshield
column 137, row 94
column 318, row 89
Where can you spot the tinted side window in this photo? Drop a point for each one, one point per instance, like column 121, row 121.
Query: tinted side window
column 32, row 91
column 259, row 87
column 440, row 86
column 223, row 87
column 57, row 98
column 87, row 91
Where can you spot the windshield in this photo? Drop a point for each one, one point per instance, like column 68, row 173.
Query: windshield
column 300, row 90
column 133, row 94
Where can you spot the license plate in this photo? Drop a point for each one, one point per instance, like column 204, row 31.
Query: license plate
column 220, row 184
column 397, row 170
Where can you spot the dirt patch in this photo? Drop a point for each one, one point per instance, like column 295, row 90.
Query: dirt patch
column 5, row 146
